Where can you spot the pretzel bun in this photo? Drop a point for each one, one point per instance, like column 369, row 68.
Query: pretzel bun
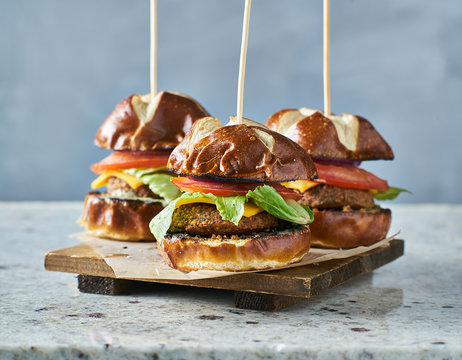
column 249, row 252
column 245, row 152
column 118, row 219
column 347, row 229
column 345, row 137
column 143, row 123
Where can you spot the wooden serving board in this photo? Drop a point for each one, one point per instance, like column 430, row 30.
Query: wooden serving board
column 268, row 290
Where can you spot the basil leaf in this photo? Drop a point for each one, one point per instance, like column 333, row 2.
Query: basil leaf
column 269, row 200
column 391, row 194
column 302, row 209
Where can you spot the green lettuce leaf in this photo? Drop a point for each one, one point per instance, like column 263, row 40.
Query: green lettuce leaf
column 158, row 182
column 391, row 194
column 160, row 224
column 269, row 200
column 231, row 208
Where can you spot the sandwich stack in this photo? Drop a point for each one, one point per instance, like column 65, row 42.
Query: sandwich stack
column 222, row 200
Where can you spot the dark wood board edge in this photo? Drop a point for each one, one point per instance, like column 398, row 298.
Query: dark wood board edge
column 359, row 265
column 263, row 302
column 103, row 285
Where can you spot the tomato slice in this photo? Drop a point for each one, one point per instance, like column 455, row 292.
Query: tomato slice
column 129, row 160
column 349, row 176
column 227, row 188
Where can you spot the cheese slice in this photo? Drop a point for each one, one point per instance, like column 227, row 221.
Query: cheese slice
column 129, row 179
column 249, row 208
column 300, row 185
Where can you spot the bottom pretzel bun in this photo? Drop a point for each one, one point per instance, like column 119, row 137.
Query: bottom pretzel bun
column 118, row 219
column 258, row 251
column 336, row 229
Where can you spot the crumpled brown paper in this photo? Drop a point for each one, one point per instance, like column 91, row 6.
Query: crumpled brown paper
column 140, row 260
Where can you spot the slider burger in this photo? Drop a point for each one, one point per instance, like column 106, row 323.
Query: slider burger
column 342, row 197
column 142, row 130
column 234, row 214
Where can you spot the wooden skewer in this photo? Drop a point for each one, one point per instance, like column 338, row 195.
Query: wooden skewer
column 326, row 58
column 153, row 62
column 245, row 36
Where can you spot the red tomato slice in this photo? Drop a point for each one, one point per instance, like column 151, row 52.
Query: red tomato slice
column 349, row 176
column 129, row 160
column 227, row 188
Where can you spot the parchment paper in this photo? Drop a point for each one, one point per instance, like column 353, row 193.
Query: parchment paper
column 142, row 260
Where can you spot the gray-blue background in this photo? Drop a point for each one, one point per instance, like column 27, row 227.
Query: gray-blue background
column 64, row 65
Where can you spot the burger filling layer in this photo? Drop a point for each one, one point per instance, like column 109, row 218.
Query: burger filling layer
column 116, row 186
column 335, row 197
column 343, row 187
column 205, row 219
column 253, row 210
column 148, row 184
column 136, row 175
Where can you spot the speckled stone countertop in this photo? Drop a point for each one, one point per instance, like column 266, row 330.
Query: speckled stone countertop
column 409, row 309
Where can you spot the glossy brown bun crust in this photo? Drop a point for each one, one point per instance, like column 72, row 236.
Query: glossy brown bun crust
column 237, row 152
column 254, row 252
column 347, row 229
column 318, row 136
column 159, row 125
column 126, row 220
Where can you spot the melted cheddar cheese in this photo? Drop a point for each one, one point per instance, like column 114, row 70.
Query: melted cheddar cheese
column 101, row 180
column 300, row 185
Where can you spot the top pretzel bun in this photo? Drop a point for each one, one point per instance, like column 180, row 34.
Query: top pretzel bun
column 345, row 137
column 244, row 152
column 143, row 123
